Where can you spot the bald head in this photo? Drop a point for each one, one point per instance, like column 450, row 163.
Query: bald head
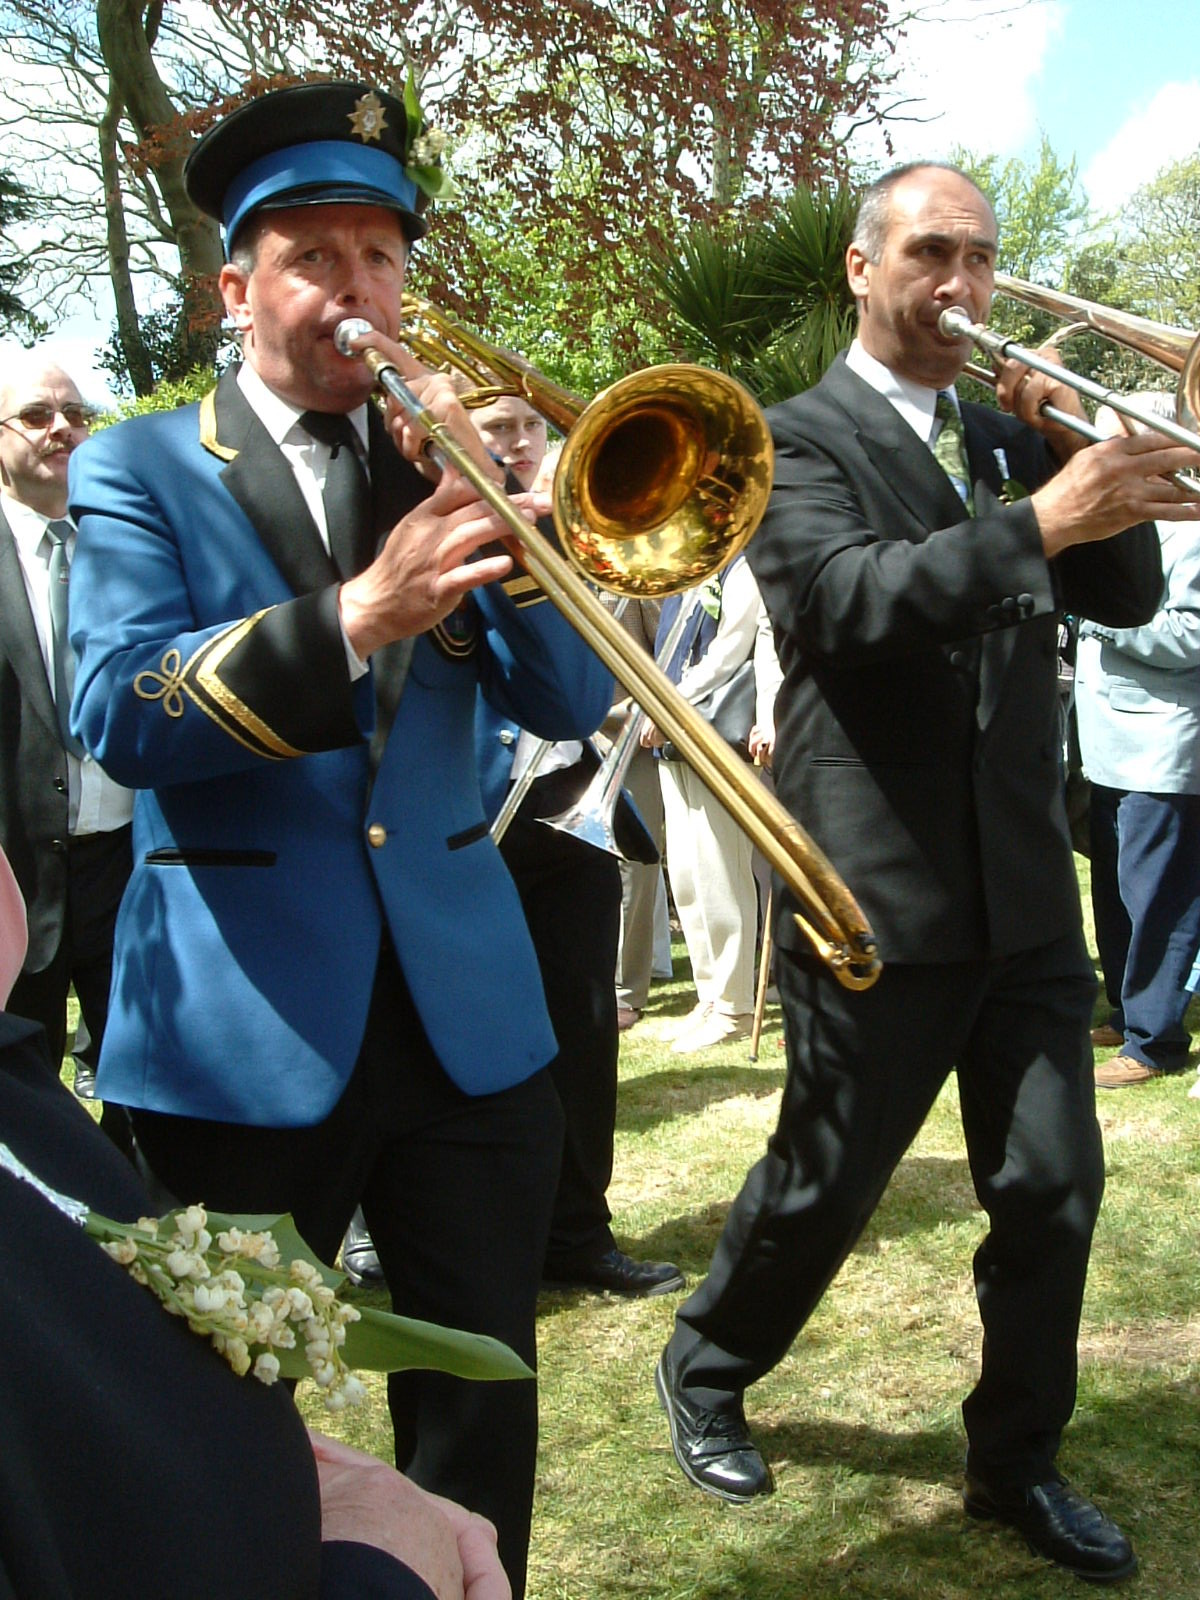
column 36, row 435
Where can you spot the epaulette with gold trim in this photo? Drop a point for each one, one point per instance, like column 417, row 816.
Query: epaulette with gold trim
column 199, row 680
column 208, row 428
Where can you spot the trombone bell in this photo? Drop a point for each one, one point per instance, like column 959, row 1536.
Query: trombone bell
column 662, row 480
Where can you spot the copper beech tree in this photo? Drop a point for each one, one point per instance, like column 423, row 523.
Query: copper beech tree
column 594, row 128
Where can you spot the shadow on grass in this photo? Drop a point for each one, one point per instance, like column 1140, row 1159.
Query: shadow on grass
column 659, row 1097
column 926, row 1192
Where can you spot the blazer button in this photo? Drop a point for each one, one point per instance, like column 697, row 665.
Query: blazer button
column 59, row 846
column 506, row 736
column 377, row 835
column 957, row 659
column 1025, row 601
column 60, row 786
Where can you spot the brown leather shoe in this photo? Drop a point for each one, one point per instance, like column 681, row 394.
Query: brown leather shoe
column 626, row 1017
column 1106, row 1037
column 1121, row 1071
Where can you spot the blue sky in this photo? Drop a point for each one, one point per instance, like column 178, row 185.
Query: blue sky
column 1114, row 83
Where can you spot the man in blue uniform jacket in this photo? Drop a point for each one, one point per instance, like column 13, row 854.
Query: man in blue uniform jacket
column 324, row 991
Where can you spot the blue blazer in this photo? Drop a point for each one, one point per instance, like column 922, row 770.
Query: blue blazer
column 286, row 813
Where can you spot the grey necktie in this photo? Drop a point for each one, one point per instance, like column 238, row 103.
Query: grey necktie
column 62, row 656
column 949, row 448
column 347, row 494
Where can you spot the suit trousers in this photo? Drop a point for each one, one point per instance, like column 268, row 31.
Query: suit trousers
column 1146, row 901
column 863, row 1071
column 98, row 868
column 457, row 1193
column 710, row 863
column 571, row 895
column 639, row 889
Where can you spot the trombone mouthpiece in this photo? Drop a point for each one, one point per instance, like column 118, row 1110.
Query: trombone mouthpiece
column 954, row 323
column 350, row 328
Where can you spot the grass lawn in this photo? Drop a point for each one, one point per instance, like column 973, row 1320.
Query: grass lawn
column 861, row 1421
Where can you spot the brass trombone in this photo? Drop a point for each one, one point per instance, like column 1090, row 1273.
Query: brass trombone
column 1173, row 348
column 662, row 480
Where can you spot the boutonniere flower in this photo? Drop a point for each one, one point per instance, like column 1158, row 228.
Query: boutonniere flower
column 254, row 1289
column 1010, row 489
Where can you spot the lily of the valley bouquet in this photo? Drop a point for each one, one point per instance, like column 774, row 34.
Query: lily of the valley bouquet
column 253, row 1287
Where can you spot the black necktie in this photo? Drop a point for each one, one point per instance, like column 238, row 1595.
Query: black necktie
column 62, row 656
column 346, row 494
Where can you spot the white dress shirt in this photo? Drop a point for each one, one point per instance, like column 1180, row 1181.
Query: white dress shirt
column 96, row 803
column 914, row 402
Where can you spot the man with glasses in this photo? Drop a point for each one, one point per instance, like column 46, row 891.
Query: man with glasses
column 63, row 823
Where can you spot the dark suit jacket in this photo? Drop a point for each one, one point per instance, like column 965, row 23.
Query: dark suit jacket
column 33, row 765
column 917, row 724
column 133, row 1461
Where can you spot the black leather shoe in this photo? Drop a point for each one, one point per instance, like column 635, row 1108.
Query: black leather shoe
column 359, row 1260
column 714, row 1448
column 616, row 1273
column 1060, row 1524
column 85, row 1082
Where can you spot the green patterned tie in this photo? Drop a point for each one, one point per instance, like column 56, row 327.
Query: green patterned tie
column 949, row 448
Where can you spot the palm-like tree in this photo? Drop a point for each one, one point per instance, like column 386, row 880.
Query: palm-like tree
column 767, row 301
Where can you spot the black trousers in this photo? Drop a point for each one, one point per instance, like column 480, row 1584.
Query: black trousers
column 456, row 1191
column 98, row 868
column 571, row 896
column 863, row 1072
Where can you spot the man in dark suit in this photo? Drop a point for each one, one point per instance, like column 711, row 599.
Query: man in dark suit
column 915, row 613
column 63, row 822
column 324, row 990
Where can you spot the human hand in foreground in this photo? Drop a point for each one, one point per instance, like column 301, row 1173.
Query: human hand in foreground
column 439, row 395
column 1022, row 392
column 425, row 568
column 1112, row 485
column 761, row 745
column 365, row 1501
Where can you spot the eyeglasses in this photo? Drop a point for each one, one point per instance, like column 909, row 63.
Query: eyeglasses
column 41, row 415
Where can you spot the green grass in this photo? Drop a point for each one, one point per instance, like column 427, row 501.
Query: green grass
column 861, row 1421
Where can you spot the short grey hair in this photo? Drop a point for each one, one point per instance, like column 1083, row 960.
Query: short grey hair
column 875, row 207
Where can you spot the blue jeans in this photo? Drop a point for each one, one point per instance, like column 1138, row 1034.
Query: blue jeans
column 1146, row 901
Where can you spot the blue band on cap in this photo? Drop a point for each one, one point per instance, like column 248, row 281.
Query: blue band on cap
column 331, row 165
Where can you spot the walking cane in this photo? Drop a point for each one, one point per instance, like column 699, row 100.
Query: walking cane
column 764, row 974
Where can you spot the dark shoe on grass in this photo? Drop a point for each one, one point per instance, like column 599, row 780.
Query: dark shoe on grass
column 360, row 1262
column 714, row 1448
column 1060, row 1524
column 616, row 1273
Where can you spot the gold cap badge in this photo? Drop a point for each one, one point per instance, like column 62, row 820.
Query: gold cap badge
column 367, row 120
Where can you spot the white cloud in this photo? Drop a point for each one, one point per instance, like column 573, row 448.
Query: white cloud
column 970, row 69
column 1150, row 138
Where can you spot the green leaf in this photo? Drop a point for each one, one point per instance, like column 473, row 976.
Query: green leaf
column 385, row 1342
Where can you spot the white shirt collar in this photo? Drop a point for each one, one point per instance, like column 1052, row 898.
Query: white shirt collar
column 28, row 526
column 279, row 416
column 913, row 401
